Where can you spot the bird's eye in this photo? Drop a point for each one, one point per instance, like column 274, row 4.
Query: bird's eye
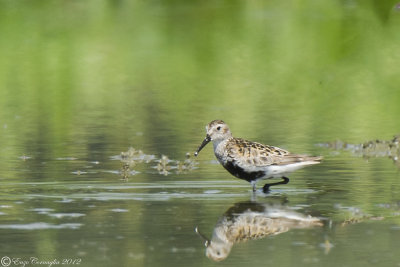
column 219, row 128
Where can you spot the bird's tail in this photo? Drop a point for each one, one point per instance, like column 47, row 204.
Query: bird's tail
column 313, row 160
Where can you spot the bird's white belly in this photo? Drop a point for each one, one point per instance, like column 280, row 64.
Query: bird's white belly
column 277, row 171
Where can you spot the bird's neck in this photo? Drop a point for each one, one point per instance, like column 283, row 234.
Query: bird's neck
column 219, row 147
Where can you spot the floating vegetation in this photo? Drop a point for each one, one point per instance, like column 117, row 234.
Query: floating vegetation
column 354, row 220
column 135, row 156
column 373, row 148
column 181, row 167
column 131, row 158
column 357, row 216
column 187, row 165
column 162, row 166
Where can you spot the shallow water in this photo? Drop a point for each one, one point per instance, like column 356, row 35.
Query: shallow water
column 80, row 83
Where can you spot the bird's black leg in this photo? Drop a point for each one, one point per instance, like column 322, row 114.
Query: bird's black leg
column 266, row 186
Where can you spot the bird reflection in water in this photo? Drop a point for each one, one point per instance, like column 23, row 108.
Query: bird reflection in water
column 250, row 220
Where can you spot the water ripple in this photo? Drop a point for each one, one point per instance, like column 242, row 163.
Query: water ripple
column 41, row 226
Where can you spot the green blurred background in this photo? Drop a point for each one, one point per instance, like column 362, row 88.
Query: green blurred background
column 328, row 68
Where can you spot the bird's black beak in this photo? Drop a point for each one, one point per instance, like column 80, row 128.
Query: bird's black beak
column 205, row 142
column 207, row 242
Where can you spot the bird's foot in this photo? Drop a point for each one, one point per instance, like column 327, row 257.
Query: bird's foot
column 266, row 189
column 267, row 186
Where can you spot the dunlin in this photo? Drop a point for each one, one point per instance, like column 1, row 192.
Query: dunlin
column 252, row 161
